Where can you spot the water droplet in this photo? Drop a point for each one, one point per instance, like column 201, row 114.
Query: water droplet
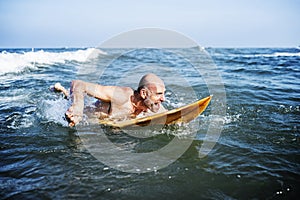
column 279, row 192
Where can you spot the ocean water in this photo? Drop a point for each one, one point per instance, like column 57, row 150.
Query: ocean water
column 257, row 155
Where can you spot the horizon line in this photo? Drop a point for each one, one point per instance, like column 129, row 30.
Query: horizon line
column 85, row 47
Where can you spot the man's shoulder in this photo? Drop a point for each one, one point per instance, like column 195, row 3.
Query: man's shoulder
column 123, row 92
column 121, row 95
column 126, row 89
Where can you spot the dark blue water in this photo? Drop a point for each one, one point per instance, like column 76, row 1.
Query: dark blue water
column 257, row 155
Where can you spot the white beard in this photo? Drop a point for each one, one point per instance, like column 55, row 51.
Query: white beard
column 154, row 107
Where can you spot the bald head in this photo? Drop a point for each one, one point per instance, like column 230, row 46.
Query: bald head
column 150, row 80
column 151, row 89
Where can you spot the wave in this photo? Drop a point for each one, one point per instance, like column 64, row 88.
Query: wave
column 285, row 54
column 258, row 54
column 276, row 54
column 17, row 62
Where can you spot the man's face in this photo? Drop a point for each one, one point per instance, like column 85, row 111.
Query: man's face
column 155, row 95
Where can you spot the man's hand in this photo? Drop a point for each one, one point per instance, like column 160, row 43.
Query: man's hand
column 73, row 116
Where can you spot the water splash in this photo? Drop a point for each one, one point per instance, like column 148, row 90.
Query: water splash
column 53, row 111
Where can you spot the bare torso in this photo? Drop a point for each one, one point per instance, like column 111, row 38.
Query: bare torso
column 121, row 107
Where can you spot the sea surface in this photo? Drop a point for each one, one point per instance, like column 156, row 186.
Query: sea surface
column 255, row 156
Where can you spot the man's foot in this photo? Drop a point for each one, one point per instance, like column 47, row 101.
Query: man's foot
column 72, row 117
column 58, row 87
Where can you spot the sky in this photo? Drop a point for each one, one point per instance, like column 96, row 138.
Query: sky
column 88, row 23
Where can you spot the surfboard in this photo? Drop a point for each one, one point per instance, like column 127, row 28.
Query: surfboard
column 183, row 114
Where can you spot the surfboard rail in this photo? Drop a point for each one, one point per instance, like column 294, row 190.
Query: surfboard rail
column 182, row 114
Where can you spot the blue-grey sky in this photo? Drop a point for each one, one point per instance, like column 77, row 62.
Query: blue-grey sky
column 211, row 23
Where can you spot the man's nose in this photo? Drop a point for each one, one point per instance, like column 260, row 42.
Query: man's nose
column 162, row 98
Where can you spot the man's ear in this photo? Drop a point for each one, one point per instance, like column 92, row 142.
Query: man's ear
column 143, row 93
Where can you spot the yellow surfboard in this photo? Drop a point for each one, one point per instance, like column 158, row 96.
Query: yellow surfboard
column 183, row 114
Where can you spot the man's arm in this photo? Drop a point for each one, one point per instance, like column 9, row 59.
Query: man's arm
column 101, row 92
column 104, row 93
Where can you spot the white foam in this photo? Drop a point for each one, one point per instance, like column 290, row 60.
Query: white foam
column 17, row 62
column 276, row 54
column 283, row 54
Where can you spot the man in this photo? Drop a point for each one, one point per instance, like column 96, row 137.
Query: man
column 117, row 102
